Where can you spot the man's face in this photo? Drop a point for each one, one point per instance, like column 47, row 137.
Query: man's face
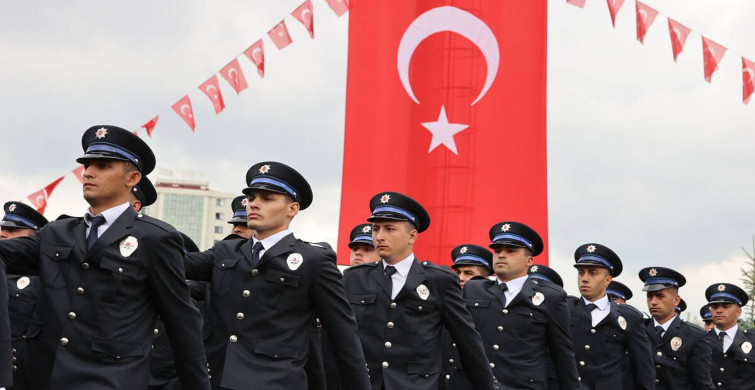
column 106, row 182
column 661, row 304
column 242, row 230
column 467, row 272
column 511, row 262
column 393, row 240
column 268, row 211
column 593, row 282
column 709, row 325
column 7, row 232
column 725, row 315
column 363, row 253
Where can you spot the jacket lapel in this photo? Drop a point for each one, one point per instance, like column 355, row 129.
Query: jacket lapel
column 246, row 250
column 739, row 339
column 673, row 329
column 378, row 274
column 583, row 312
column 79, row 235
column 528, row 290
column 415, row 277
column 613, row 315
column 281, row 247
column 651, row 332
column 119, row 228
column 495, row 291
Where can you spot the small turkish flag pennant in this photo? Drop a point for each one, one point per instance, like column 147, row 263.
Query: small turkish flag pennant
column 39, row 198
column 578, row 3
column 279, row 35
column 212, row 90
column 256, row 54
column 184, row 110
column 613, row 7
column 679, row 34
column 234, row 76
column 340, row 7
column 79, row 173
column 712, row 55
column 645, row 18
column 150, row 126
column 304, row 14
column 748, row 79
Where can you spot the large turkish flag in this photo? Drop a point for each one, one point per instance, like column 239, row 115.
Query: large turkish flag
column 445, row 103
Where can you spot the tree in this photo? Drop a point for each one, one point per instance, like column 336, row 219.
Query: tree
column 748, row 279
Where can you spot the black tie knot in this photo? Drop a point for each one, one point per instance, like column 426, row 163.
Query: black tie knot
column 256, row 249
column 592, row 306
column 503, row 287
column 722, row 335
column 95, row 223
column 389, row 270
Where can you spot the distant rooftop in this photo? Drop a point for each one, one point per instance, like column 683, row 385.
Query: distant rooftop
column 167, row 178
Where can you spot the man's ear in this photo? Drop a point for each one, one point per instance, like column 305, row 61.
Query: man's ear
column 133, row 178
column 293, row 209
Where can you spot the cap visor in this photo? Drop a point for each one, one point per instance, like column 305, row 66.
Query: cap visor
column 96, row 156
column 236, row 220
column 722, row 301
column 264, row 187
column 13, row 224
column 654, row 287
column 589, row 263
column 507, row 242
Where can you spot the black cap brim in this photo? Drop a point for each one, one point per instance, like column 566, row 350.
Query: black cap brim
column 723, row 301
column 656, row 287
column 14, row 224
column 236, row 220
column 264, row 187
column 357, row 242
column 390, row 217
column 100, row 156
column 590, row 263
column 508, row 242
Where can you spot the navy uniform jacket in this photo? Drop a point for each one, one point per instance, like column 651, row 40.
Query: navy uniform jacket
column 262, row 319
column 735, row 369
column 98, row 309
column 517, row 338
column 600, row 350
column 6, row 371
column 401, row 337
column 22, row 302
column 682, row 356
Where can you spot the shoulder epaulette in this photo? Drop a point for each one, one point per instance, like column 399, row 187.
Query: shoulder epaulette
column 430, row 265
column 154, row 221
column 363, row 265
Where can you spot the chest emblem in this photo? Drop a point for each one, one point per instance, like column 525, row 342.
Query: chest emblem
column 622, row 323
column 676, row 343
column 746, row 347
column 23, row 282
column 294, row 261
column 538, row 299
column 423, row 292
column 128, row 246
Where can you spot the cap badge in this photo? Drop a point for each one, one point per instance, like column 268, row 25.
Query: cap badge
column 676, row 343
column 23, row 282
column 591, row 248
column 622, row 323
column 294, row 260
column 505, row 227
column 12, row 207
column 244, row 202
column 367, row 229
column 385, row 198
column 265, row 169
column 652, row 272
column 746, row 347
column 101, row 133
column 463, row 250
column 423, row 292
column 538, row 299
column 721, row 287
column 128, row 246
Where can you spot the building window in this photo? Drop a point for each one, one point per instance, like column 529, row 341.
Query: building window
column 218, row 230
column 220, row 202
column 219, row 216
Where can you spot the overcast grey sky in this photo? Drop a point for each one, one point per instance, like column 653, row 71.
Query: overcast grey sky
column 644, row 156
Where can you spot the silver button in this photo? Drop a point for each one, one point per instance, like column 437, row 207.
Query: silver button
column 71, row 316
column 393, row 305
column 505, row 311
column 389, row 325
column 385, row 364
column 722, row 369
column 120, row 269
column 156, row 331
column 453, row 345
column 233, row 338
column 282, row 280
column 476, row 304
column 500, row 329
column 658, row 366
column 492, row 365
column 659, row 354
column 80, row 291
column 57, row 254
column 246, row 293
column 419, row 308
column 592, row 331
column 85, row 266
column 451, row 361
column 239, row 316
column 581, row 363
column 255, row 272
column 63, row 341
column 388, row 344
column 587, row 347
column 657, row 380
column 495, row 347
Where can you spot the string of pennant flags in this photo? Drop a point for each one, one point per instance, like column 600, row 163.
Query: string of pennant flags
column 232, row 74
column 713, row 53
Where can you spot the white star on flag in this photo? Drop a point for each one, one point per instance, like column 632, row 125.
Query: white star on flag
column 443, row 132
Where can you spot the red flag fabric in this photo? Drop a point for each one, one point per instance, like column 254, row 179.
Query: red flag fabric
column 433, row 112
column 79, row 173
column 578, row 3
column 712, row 55
column 304, row 14
column 613, row 7
column 184, row 110
column 748, row 79
column 150, row 126
column 679, row 34
column 234, row 76
column 279, row 35
column 211, row 88
column 340, row 7
column 39, row 198
column 256, row 54
column 136, row 133
column 645, row 18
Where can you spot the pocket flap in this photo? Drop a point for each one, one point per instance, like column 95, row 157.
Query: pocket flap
column 225, row 263
column 119, row 267
column 281, row 277
column 58, row 251
column 425, row 367
column 276, row 350
column 362, row 299
column 117, row 348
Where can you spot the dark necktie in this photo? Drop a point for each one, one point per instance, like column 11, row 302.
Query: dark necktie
column 504, row 288
column 660, row 331
column 256, row 249
column 722, row 335
column 389, row 271
column 592, row 306
column 97, row 221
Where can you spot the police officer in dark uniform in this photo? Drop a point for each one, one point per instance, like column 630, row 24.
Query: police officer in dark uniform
column 267, row 290
column 21, row 220
column 682, row 351
column 733, row 361
column 522, row 323
column 402, row 304
column 604, row 331
column 240, row 228
column 361, row 245
column 143, row 194
column 707, row 317
column 618, row 292
column 539, row 273
column 106, row 277
column 681, row 307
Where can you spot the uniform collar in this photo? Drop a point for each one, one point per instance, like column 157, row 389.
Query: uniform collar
column 732, row 332
column 514, row 284
column 403, row 266
column 268, row 242
column 110, row 214
column 664, row 325
column 603, row 303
